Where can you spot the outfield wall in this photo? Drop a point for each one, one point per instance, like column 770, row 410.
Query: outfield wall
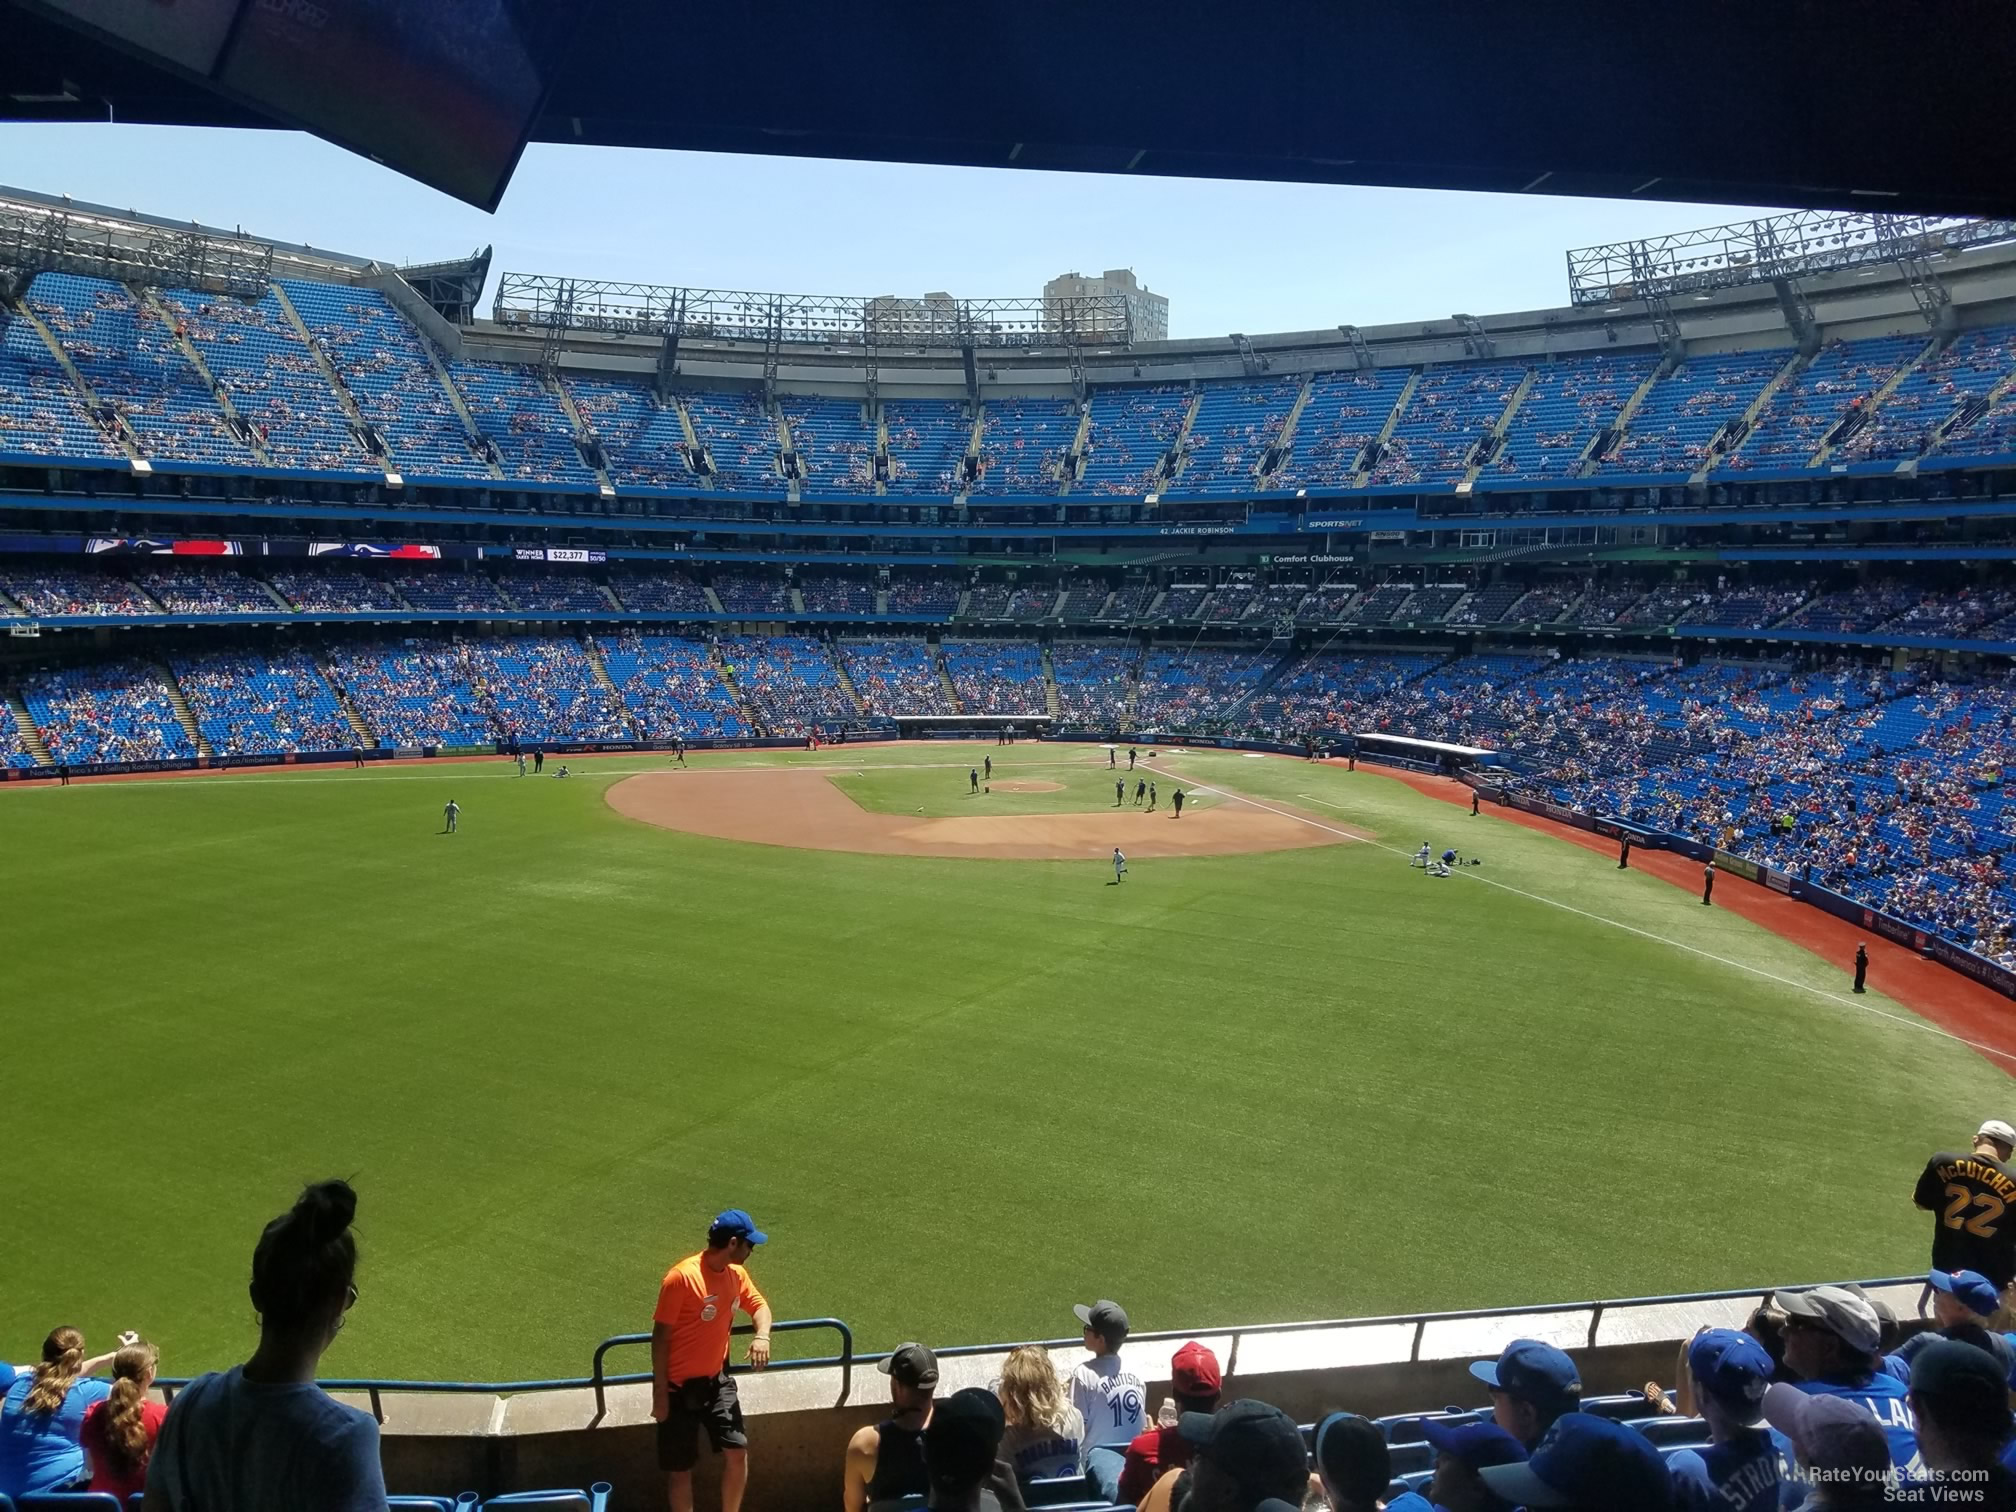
column 799, row 1420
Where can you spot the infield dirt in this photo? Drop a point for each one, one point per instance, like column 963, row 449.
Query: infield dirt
column 803, row 810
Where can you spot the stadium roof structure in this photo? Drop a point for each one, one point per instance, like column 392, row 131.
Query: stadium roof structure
column 1847, row 104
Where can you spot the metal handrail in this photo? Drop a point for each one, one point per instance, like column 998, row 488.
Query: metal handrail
column 375, row 1387
column 845, row 1359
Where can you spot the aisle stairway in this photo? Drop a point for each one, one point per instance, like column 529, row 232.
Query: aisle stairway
column 365, row 738
column 846, row 682
column 945, row 681
column 181, row 707
column 1049, row 684
column 30, row 736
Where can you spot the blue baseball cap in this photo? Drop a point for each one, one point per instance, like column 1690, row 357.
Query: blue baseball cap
column 1731, row 1365
column 1538, row 1372
column 735, row 1224
column 1476, row 1444
column 1970, row 1287
column 1586, row 1461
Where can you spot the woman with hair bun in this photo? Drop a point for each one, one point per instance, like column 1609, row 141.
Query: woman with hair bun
column 119, row 1432
column 263, row 1435
column 42, row 1415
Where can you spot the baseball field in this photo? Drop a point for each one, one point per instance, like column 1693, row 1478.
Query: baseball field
column 961, row 1075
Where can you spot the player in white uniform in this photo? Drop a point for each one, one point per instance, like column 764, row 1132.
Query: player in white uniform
column 1119, row 864
column 450, row 813
column 1421, row 857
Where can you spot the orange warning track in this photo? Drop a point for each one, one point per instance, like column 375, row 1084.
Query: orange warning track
column 805, row 811
column 1948, row 999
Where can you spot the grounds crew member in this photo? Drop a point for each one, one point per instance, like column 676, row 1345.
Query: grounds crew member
column 690, row 1385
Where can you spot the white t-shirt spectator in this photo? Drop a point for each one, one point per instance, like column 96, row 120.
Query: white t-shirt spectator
column 1112, row 1400
column 233, row 1445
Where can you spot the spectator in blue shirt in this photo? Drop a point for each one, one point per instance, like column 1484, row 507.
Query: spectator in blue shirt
column 1738, row 1471
column 263, row 1435
column 43, row 1412
column 1831, row 1337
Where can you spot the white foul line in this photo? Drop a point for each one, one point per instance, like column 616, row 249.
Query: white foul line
column 1770, row 976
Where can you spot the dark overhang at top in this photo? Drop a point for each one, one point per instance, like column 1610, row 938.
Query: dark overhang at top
column 1850, row 104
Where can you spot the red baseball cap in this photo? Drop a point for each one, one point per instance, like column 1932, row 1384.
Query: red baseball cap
column 1194, row 1371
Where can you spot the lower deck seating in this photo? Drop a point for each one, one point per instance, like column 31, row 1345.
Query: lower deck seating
column 997, row 677
column 896, row 677
column 791, row 682
column 106, row 712
column 671, row 686
column 544, row 688
column 257, row 702
column 414, row 692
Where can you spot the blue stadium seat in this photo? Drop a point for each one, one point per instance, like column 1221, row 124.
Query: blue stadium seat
column 1674, row 1432
column 1405, row 1428
column 1624, row 1407
column 68, row 1501
column 466, row 1502
column 594, row 1499
column 1054, row 1491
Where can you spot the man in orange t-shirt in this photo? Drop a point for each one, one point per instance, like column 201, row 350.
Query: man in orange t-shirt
column 690, row 1384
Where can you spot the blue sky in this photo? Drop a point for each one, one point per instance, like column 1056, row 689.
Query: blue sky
column 1230, row 257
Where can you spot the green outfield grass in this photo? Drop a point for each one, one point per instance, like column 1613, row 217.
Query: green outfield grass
column 1083, row 784
column 961, row 1095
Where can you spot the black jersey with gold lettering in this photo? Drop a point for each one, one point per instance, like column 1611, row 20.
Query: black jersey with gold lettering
column 1973, row 1200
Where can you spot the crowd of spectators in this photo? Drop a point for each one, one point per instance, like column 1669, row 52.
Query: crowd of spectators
column 542, row 688
column 14, row 751
column 790, row 682
column 190, row 588
column 413, row 692
column 752, row 591
column 1344, row 414
column 1023, row 443
column 451, row 589
column 336, row 590
column 662, row 591
column 130, row 356
column 642, row 439
column 555, row 588
column 1201, row 689
column 1132, row 430
column 41, row 412
column 274, row 381
column 895, row 677
column 917, row 593
column 523, row 421
column 927, row 443
column 50, row 591
column 836, row 593
column 672, row 686
column 997, row 677
column 1095, row 682
column 107, row 712
column 392, row 377
column 256, row 702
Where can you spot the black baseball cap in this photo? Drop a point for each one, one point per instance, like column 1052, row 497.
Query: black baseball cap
column 963, row 1436
column 1256, row 1444
column 1947, row 1369
column 1105, row 1318
column 913, row 1365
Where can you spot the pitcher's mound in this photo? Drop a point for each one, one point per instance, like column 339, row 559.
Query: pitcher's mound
column 804, row 810
column 1028, row 785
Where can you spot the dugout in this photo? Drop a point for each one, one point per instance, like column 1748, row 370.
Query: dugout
column 1423, row 755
